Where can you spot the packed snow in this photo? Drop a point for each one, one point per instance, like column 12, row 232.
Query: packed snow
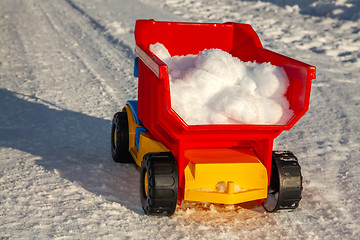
column 214, row 87
column 66, row 67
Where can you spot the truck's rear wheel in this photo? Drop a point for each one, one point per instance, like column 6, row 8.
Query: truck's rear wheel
column 159, row 184
column 120, row 138
column 285, row 184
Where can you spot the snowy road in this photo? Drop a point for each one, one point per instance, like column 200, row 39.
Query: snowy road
column 66, row 68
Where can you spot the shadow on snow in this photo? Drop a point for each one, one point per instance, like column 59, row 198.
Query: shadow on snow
column 76, row 145
column 348, row 11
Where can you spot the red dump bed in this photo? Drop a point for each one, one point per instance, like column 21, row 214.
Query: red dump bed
column 240, row 40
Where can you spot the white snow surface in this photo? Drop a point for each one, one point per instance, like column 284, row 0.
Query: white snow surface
column 65, row 69
column 213, row 87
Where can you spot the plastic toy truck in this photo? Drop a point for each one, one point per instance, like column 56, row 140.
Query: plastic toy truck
column 220, row 163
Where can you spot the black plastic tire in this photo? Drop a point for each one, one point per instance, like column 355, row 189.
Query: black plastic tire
column 159, row 184
column 285, row 184
column 120, row 138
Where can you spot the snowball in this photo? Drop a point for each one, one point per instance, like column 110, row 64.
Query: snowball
column 214, row 87
column 221, row 187
column 271, row 80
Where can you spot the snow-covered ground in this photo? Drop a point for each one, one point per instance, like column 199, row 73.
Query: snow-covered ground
column 66, row 68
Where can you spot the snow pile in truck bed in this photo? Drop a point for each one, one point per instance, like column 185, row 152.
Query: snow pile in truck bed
column 214, row 87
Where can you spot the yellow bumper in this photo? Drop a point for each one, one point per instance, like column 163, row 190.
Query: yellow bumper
column 227, row 176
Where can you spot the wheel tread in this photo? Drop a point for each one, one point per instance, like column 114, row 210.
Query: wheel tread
column 163, row 184
column 286, row 179
column 120, row 148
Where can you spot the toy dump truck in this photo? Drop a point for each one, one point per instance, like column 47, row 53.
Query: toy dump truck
column 219, row 163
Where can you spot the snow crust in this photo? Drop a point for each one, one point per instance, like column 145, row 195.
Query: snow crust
column 214, row 87
column 66, row 67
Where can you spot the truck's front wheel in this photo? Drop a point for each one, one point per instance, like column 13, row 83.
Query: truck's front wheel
column 159, row 184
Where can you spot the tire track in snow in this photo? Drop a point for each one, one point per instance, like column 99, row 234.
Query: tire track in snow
column 328, row 162
column 103, row 30
column 14, row 66
column 70, row 66
column 110, row 64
